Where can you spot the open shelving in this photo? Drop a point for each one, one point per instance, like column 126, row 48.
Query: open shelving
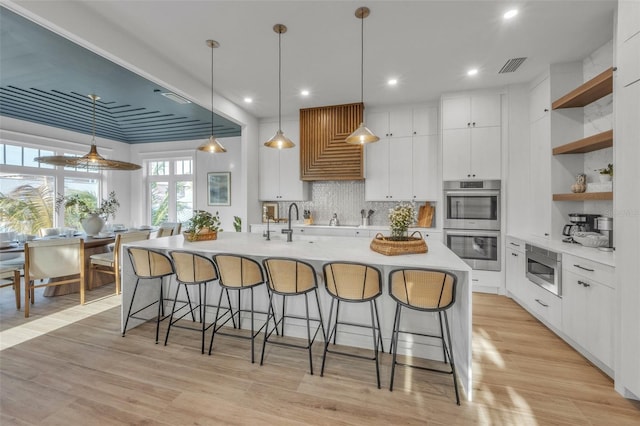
column 592, row 143
column 594, row 89
column 584, row 196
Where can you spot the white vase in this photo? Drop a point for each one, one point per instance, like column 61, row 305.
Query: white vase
column 605, row 178
column 92, row 224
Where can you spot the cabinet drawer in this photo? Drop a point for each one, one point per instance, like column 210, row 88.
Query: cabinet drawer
column 544, row 304
column 515, row 244
column 589, row 269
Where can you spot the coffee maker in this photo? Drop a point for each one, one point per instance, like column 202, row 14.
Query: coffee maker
column 580, row 222
column 605, row 227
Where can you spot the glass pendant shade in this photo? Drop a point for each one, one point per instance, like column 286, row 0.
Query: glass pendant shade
column 280, row 141
column 212, row 146
column 361, row 136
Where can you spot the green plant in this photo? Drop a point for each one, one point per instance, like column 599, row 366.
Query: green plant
column 27, row 209
column 202, row 222
column 400, row 218
column 84, row 207
column 237, row 223
column 606, row 170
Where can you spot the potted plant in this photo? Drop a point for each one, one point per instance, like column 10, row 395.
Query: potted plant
column 202, row 226
column 237, row 223
column 400, row 218
column 606, row 173
column 91, row 218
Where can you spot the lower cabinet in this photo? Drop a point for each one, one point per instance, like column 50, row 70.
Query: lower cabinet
column 515, row 265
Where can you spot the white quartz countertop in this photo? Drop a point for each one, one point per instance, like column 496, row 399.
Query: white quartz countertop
column 590, row 253
column 317, row 248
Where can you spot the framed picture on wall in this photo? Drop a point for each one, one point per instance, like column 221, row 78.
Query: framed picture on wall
column 219, row 188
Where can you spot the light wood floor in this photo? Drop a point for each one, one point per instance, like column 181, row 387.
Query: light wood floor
column 86, row 373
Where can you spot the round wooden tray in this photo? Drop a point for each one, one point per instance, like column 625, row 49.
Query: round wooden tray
column 391, row 247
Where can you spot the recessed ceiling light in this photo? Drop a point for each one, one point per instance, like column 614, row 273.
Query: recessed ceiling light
column 510, row 14
column 472, row 71
column 304, row 92
column 392, row 82
column 248, row 100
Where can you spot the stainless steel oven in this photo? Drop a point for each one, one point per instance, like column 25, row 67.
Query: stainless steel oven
column 544, row 267
column 472, row 204
column 478, row 248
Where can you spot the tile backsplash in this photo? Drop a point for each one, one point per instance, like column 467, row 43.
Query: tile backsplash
column 346, row 198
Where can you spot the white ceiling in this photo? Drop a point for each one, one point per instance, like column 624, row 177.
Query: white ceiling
column 427, row 45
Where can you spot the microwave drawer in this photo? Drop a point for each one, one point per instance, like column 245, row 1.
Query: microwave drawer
column 604, row 274
column 545, row 304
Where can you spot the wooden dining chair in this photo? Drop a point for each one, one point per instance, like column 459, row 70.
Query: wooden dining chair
column 62, row 259
column 10, row 271
column 176, row 226
column 111, row 262
column 164, row 232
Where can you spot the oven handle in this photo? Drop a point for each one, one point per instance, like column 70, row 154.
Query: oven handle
column 471, row 233
column 480, row 193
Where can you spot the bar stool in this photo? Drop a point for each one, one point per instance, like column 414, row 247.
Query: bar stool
column 238, row 273
column 148, row 265
column 192, row 270
column 353, row 282
column 287, row 278
column 425, row 290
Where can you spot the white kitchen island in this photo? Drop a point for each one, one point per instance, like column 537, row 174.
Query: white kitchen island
column 318, row 250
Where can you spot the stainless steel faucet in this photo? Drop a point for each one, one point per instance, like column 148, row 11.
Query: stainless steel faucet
column 288, row 230
column 267, row 233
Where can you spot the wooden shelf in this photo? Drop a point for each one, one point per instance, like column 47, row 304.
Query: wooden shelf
column 592, row 143
column 594, row 89
column 584, row 196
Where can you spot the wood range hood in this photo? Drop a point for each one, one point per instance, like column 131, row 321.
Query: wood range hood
column 324, row 154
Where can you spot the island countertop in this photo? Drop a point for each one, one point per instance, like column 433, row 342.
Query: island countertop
column 318, row 250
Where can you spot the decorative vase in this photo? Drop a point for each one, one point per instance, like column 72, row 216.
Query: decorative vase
column 580, row 185
column 92, row 224
column 605, row 178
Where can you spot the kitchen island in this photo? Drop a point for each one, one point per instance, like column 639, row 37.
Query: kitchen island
column 318, row 250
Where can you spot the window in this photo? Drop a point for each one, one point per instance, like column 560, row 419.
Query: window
column 87, row 189
column 170, row 185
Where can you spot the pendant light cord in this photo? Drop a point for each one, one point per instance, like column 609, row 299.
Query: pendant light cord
column 362, row 59
column 280, row 80
column 211, row 90
column 93, row 121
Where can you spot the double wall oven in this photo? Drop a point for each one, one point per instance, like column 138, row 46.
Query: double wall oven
column 472, row 222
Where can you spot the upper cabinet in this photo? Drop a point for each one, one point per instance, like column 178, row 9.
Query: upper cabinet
column 280, row 168
column 471, row 137
column 403, row 165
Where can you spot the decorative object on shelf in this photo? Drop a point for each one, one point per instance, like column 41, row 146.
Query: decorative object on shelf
column 580, row 185
column 92, row 160
column 400, row 218
column 279, row 140
column 308, row 219
column 391, row 246
column 212, row 146
column 91, row 218
column 270, row 211
column 219, row 188
column 237, row 223
column 362, row 134
column 425, row 215
column 202, row 226
column 606, row 173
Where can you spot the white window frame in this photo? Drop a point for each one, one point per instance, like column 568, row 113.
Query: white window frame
column 171, row 180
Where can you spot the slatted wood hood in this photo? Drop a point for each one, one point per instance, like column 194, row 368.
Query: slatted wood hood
column 324, row 155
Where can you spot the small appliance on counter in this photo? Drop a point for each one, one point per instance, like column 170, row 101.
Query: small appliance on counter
column 604, row 225
column 580, row 222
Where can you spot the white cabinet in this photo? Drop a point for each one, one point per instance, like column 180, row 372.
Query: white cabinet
column 426, row 180
column 389, row 169
column 471, row 137
column 515, row 265
column 403, row 121
column 588, row 307
column 280, row 168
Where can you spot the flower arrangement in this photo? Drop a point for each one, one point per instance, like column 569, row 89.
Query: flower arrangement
column 203, row 222
column 400, row 218
column 83, row 205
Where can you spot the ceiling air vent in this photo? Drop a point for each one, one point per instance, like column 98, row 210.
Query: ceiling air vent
column 511, row 65
column 176, row 98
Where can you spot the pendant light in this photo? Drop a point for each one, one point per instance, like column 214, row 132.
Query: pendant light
column 279, row 140
column 362, row 135
column 212, row 146
column 92, row 160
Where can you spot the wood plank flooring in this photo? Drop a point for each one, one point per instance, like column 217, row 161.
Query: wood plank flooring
column 85, row 373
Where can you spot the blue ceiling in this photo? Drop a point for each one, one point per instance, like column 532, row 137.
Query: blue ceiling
column 45, row 78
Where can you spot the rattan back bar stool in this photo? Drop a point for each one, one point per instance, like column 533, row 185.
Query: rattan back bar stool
column 353, row 282
column 287, row 278
column 149, row 265
column 425, row 290
column 238, row 273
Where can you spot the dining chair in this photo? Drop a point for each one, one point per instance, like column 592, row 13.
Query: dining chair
column 428, row 291
column 10, row 270
column 177, row 227
column 62, row 259
column 164, row 232
column 111, row 262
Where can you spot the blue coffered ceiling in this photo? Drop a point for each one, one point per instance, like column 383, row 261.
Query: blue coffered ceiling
column 45, row 78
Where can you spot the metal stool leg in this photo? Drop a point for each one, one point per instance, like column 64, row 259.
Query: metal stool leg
column 133, row 297
column 453, row 366
column 394, row 343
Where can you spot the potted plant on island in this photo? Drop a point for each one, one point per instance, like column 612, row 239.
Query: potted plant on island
column 401, row 217
column 202, row 226
column 91, row 218
column 606, row 173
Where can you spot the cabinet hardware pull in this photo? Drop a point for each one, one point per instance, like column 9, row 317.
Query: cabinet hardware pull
column 546, row 110
column 468, row 124
column 545, row 305
column 474, row 124
column 583, row 268
column 474, row 279
column 514, row 254
column 514, row 244
column 582, row 283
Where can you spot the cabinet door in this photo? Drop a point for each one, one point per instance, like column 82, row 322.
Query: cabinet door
column 456, row 154
column 486, row 153
column 426, row 178
column 269, row 163
column 425, row 121
column 378, row 123
column 400, row 168
column 486, row 111
column 515, row 274
column 540, row 178
column 456, row 113
column 540, row 100
column 400, row 122
column 574, row 308
column 376, row 184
